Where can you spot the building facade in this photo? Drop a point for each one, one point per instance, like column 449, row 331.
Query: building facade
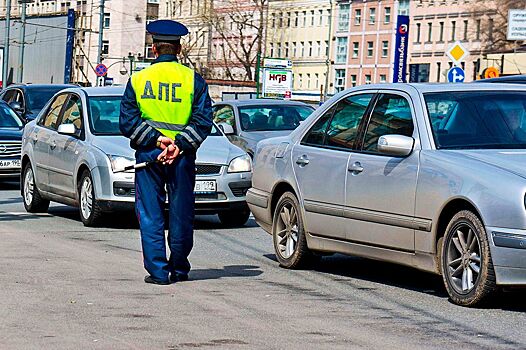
column 301, row 30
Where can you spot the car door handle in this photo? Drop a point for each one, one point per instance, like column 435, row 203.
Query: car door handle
column 356, row 168
column 53, row 145
column 35, row 138
column 302, row 161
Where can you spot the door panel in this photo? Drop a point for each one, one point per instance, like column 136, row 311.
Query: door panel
column 380, row 190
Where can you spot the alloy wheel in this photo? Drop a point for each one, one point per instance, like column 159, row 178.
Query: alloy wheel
column 463, row 258
column 86, row 197
column 287, row 231
column 29, row 186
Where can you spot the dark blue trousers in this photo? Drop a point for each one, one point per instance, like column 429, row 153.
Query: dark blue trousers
column 150, row 182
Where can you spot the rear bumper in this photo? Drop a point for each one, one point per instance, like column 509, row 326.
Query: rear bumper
column 508, row 253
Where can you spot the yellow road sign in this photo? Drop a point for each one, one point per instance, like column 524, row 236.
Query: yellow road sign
column 457, row 52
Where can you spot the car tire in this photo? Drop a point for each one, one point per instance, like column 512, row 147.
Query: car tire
column 90, row 211
column 33, row 201
column 290, row 242
column 466, row 265
column 234, row 218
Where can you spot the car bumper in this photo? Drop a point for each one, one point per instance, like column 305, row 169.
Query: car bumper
column 11, row 172
column 508, row 253
column 259, row 203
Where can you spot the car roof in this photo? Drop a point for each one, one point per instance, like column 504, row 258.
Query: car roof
column 39, row 86
column 99, row 91
column 517, row 79
column 439, row 87
column 261, row 101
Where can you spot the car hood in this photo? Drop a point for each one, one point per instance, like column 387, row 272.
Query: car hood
column 11, row 134
column 214, row 150
column 513, row 161
column 262, row 135
column 218, row 150
column 114, row 145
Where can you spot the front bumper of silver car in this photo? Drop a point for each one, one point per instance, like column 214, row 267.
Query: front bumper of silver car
column 508, row 253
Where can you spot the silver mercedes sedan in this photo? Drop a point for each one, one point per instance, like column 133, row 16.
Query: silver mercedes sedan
column 73, row 151
column 430, row 176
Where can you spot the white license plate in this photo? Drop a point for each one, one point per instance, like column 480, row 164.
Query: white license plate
column 10, row 164
column 205, row 186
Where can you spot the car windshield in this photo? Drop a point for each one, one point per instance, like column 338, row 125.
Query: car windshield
column 104, row 116
column 8, row 118
column 272, row 117
column 38, row 97
column 478, row 119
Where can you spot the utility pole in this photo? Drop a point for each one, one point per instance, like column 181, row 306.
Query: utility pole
column 5, row 67
column 101, row 31
column 22, row 40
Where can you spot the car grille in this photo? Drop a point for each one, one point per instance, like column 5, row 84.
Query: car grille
column 207, row 169
column 10, row 149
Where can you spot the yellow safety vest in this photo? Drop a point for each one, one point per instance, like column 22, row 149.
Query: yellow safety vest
column 165, row 93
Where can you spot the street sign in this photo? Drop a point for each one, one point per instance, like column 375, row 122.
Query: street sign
column 108, row 81
column 490, row 72
column 456, row 75
column 400, row 58
column 516, row 25
column 277, row 83
column 101, row 70
column 457, row 52
column 277, row 63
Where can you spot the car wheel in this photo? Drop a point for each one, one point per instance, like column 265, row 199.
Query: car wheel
column 466, row 263
column 90, row 211
column 288, row 234
column 234, row 218
column 33, row 201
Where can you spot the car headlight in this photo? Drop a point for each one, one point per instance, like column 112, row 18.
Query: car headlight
column 241, row 164
column 120, row 162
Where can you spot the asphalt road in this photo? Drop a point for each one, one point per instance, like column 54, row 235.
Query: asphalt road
column 64, row 286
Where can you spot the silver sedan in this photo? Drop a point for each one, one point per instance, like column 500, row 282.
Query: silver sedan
column 73, row 151
column 430, row 176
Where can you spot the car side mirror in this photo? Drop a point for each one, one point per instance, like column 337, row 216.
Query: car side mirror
column 68, row 129
column 396, row 145
column 17, row 107
column 226, row 128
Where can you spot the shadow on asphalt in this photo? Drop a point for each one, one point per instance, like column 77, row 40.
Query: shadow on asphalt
column 341, row 268
column 9, row 185
column 225, row 272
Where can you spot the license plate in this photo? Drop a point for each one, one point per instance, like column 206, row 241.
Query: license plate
column 205, row 186
column 10, row 164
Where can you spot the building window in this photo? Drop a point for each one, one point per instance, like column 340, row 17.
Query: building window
column 271, row 49
column 294, row 49
column 477, row 33
column 490, row 29
column 387, row 18
column 368, row 79
column 320, row 18
column 296, row 19
column 149, row 52
column 441, row 37
column 288, row 19
column 353, row 80
column 339, row 81
column 304, row 18
column 287, row 50
column 106, row 20
column 343, row 18
column 439, row 73
column 308, row 81
column 341, row 50
column 370, row 49
column 355, row 49
column 279, row 50
column 357, row 17
column 327, row 48
column 310, row 48
column 105, row 47
column 429, row 32
column 312, row 18
column 302, row 49
column 318, row 48
column 417, row 39
column 465, row 37
column 453, row 30
column 300, row 80
column 383, row 78
column 372, row 15
column 385, row 48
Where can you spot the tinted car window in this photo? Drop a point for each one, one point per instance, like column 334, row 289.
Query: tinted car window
column 49, row 120
column 224, row 114
column 316, row 135
column 391, row 115
column 8, row 118
column 344, row 125
column 478, row 119
column 8, row 96
column 104, row 115
column 73, row 112
column 272, row 117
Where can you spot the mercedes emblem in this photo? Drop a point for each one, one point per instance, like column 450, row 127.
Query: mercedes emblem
column 3, row 148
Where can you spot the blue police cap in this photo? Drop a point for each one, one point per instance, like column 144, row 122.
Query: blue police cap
column 166, row 30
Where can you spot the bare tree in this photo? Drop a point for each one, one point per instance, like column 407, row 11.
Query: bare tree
column 238, row 26
column 494, row 25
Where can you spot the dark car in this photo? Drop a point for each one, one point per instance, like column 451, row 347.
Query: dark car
column 510, row 79
column 28, row 100
column 11, row 126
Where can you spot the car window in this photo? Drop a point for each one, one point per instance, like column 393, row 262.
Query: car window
column 8, row 96
column 224, row 114
column 391, row 115
column 73, row 112
column 8, row 118
column 104, row 115
column 49, row 120
column 343, row 128
column 316, row 135
column 272, row 117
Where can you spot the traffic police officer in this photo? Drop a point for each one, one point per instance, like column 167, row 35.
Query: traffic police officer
column 166, row 113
